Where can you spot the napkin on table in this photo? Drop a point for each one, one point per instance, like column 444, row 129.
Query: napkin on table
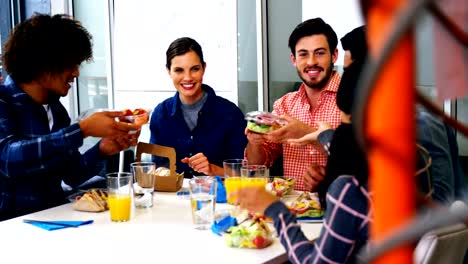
column 55, row 225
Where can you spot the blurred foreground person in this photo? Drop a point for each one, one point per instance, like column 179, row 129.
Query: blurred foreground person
column 38, row 144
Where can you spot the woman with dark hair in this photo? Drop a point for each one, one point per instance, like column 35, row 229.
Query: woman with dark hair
column 204, row 128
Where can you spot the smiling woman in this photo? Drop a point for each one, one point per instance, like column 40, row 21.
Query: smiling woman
column 185, row 121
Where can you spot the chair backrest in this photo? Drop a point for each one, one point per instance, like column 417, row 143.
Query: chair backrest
column 445, row 245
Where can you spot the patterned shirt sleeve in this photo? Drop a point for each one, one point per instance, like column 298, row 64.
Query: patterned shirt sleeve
column 344, row 226
column 325, row 139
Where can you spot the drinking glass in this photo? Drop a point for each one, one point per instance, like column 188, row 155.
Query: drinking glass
column 254, row 176
column 203, row 200
column 232, row 176
column 143, row 186
column 119, row 188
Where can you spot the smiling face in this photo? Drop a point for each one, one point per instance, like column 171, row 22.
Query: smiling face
column 314, row 61
column 186, row 73
column 59, row 83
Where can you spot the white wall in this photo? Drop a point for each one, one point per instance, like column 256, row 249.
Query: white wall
column 145, row 28
column 342, row 16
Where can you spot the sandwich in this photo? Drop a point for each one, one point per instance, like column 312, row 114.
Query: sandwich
column 263, row 122
column 94, row 200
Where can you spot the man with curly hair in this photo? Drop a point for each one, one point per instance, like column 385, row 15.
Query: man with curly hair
column 39, row 147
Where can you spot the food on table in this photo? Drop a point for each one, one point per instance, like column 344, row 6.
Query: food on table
column 94, row 200
column 280, row 186
column 139, row 116
column 306, row 205
column 263, row 122
column 162, row 171
column 257, row 234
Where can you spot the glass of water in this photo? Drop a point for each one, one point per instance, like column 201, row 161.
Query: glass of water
column 203, row 200
column 143, row 186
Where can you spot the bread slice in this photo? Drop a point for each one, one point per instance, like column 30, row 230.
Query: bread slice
column 88, row 203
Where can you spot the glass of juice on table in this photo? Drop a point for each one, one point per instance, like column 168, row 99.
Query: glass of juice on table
column 232, row 176
column 254, row 176
column 119, row 188
column 202, row 200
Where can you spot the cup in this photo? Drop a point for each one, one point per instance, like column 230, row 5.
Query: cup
column 232, row 167
column 119, row 188
column 203, row 200
column 232, row 176
column 254, row 176
column 143, row 187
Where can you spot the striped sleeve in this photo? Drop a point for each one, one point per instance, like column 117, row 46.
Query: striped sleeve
column 344, row 227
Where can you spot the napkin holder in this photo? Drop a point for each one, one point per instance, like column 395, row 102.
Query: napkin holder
column 171, row 183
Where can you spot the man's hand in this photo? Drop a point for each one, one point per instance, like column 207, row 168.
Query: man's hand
column 310, row 138
column 103, row 124
column 254, row 199
column 255, row 138
column 294, row 129
column 313, row 176
column 110, row 146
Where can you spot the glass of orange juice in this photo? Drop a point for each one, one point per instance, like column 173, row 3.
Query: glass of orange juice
column 119, row 188
column 232, row 176
column 254, row 176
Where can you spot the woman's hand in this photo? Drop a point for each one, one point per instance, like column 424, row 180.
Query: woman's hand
column 199, row 163
column 254, row 199
column 310, row 138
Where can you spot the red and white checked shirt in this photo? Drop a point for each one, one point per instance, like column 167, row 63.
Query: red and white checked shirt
column 296, row 159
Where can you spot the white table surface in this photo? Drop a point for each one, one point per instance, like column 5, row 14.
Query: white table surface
column 161, row 234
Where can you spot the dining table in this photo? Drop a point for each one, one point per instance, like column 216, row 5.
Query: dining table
column 164, row 233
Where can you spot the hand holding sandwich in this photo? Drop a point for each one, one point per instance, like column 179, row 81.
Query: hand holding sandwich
column 293, row 129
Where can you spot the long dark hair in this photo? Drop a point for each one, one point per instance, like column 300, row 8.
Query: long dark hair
column 346, row 156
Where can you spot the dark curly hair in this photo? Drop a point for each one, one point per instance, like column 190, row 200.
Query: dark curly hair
column 314, row 26
column 181, row 46
column 45, row 44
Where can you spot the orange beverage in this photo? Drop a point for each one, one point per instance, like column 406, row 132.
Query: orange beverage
column 232, row 184
column 119, row 206
column 254, row 182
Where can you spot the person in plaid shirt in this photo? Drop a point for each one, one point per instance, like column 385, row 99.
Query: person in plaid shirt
column 348, row 202
column 38, row 145
column 313, row 53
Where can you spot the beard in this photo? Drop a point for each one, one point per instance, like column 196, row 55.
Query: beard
column 314, row 84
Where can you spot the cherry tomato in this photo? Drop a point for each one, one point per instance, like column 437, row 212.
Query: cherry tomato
column 128, row 112
column 259, row 241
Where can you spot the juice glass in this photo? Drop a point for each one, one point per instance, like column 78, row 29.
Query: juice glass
column 254, row 176
column 119, row 187
column 232, row 176
column 232, row 184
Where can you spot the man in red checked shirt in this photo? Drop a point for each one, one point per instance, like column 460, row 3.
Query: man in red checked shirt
column 313, row 51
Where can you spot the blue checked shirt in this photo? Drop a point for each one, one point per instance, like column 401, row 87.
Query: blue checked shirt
column 34, row 159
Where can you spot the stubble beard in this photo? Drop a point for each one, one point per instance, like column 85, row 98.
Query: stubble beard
column 317, row 85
